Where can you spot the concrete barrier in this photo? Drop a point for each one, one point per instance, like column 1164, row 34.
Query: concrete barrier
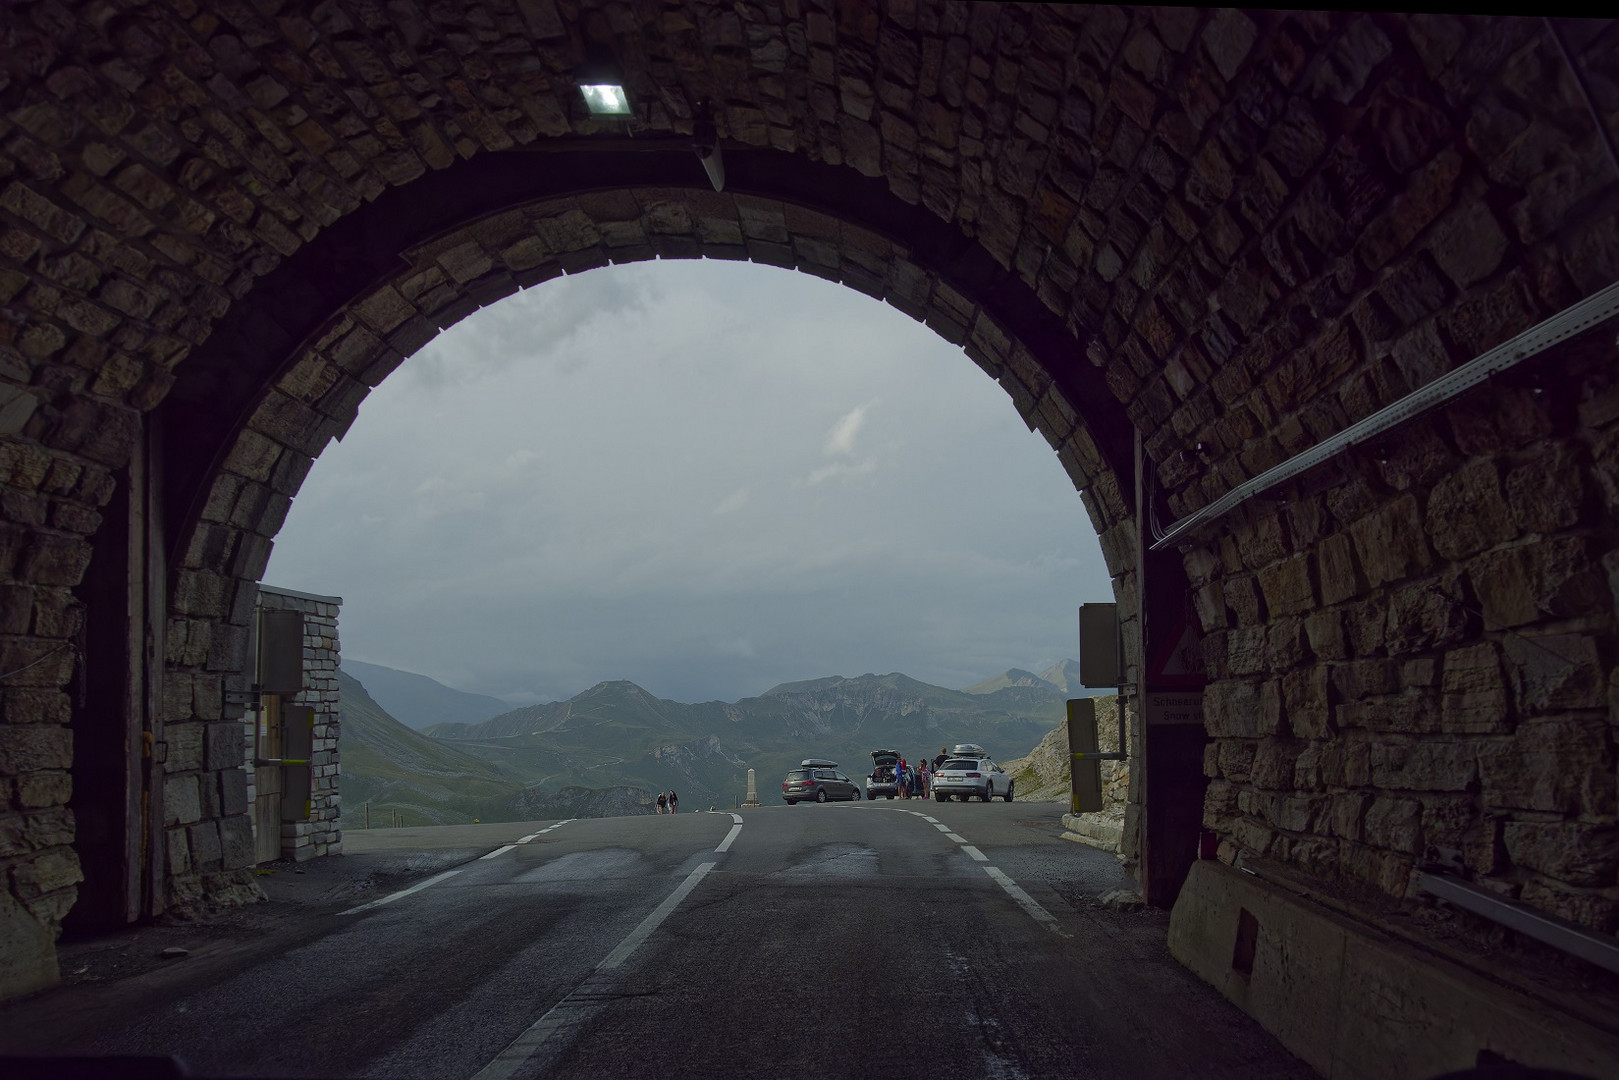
column 1355, row 1002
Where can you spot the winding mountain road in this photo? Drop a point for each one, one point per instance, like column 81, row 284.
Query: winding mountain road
column 890, row 939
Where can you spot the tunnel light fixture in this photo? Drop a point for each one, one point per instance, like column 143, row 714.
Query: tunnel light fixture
column 605, row 99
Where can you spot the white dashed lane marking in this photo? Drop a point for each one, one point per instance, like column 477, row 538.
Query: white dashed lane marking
column 1027, row 902
column 1013, row 889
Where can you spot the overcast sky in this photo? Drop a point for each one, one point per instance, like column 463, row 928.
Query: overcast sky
column 705, row 477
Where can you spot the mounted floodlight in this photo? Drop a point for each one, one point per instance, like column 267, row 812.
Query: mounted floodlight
column 605, row 99
column 705, row 139
column 601, row 81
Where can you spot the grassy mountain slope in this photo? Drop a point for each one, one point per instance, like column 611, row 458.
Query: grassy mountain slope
column 419, row 702
column 392, row 767
column 618, row 735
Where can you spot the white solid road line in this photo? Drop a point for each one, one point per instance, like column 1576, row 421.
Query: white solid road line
column 418, row 887
column 571, row 1010
column 498, row 851
column 1027, row 902
column 654, row 920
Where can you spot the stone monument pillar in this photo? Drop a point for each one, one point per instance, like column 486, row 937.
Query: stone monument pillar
column 753, row 792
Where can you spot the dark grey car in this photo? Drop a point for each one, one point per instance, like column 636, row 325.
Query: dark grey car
column 818, row 781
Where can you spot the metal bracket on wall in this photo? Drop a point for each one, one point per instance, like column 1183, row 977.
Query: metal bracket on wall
column 246, row 698
column 1593, row 310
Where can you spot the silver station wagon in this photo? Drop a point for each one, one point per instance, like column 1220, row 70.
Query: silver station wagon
column 970, row 771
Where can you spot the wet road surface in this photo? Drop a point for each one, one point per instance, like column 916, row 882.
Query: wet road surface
column 888, row 939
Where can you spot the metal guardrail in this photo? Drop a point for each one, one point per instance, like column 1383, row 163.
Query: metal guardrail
column 1593, row 310
column 1590, row 947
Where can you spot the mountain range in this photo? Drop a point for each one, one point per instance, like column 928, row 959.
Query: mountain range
column 418, row 701
column 610, row 748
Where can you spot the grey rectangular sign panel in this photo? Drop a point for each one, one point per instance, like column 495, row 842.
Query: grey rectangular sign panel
column 1099, row 646
column 1086, row 768
column 281, row 652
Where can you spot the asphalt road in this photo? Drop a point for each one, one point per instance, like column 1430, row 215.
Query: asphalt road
column 888, row 939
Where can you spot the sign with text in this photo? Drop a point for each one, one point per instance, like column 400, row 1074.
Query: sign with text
column 1163, row 708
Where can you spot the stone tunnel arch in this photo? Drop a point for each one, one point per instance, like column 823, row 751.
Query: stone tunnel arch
column 230, row 484
column 1242, row 230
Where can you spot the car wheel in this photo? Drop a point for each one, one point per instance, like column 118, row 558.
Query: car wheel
column 939, row 796
column 854, row 795
column 820, row 796
column 890, row 798
column 989, row 793
column 1009, row 788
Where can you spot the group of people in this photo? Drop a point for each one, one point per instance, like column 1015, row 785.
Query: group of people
column 917, row 781
column 668, row 802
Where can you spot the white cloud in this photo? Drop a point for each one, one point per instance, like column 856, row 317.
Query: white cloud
column 840, row 470
column 841, row 439
column 733, row 502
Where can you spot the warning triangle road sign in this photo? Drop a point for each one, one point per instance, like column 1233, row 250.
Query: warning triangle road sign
column 1180, row 661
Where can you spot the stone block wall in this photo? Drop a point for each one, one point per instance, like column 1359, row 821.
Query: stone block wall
column 1418, row 664
column 321, row 833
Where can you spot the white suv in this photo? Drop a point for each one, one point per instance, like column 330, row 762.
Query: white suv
column 967, row 772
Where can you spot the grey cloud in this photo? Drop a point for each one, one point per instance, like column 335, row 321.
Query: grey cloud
column 607, row 477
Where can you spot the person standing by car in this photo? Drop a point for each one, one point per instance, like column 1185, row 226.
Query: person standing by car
column 940, row 760
column 902, row 779
column 923, row 775
column 674, row 801
column 663, row 801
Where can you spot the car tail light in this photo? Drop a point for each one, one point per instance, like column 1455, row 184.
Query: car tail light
column 975, row 776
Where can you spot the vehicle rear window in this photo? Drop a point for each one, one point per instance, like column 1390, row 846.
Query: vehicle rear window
column 799, row 774
column 962, row 763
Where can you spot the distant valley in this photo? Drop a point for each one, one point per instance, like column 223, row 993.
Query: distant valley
column 610, row 749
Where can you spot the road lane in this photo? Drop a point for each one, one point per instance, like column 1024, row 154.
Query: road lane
column 862, row 940
column 701, row 945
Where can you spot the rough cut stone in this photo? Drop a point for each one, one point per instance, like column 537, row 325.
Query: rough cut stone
column 1475, row 694
column 1389, row 542
column 1577, row 852
column 1288, row 586
column 1466, row 513
column 1562, row 766
column 1340, row 576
